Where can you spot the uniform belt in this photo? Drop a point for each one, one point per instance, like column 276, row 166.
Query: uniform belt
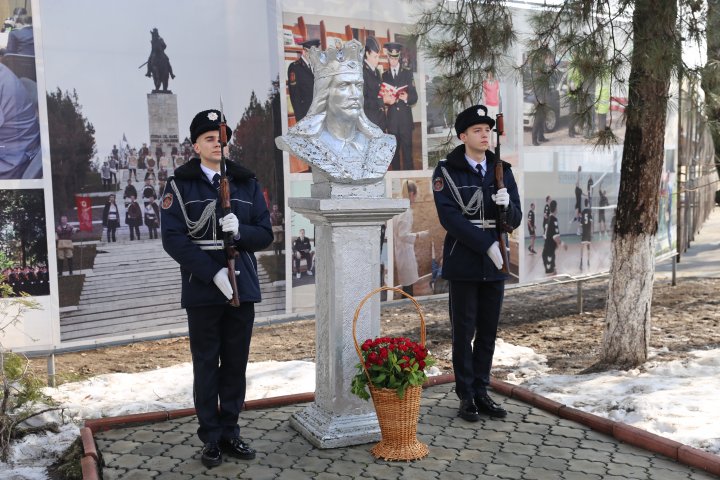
column 209, row 244
column 483, row 224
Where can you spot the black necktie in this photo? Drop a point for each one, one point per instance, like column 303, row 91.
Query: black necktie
column 216, row 181
column 479, row 169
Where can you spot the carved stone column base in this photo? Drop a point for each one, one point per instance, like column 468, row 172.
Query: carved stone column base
column 325, row 430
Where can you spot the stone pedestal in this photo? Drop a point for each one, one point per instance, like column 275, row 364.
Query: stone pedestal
column 163, row 119
column 348, row 267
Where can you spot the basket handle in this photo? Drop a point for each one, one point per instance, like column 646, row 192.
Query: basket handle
column 357, row 314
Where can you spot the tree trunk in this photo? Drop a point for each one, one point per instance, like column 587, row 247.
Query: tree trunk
column 711, row 75
column 627, row 335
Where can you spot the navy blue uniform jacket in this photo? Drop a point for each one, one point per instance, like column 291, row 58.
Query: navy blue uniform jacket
column 198, row 266
column 465, row 255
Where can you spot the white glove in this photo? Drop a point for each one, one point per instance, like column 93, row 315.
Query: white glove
column 502, row 197
column 495, row 255
column 230, row 223
column 222, row 281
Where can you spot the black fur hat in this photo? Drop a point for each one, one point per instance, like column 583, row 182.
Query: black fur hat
column 204, row 122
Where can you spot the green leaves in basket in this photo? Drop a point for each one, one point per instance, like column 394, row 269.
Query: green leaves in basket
column 395, row 363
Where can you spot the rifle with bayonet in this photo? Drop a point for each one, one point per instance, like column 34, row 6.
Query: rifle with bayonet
column 231, row 253
column 501, row 224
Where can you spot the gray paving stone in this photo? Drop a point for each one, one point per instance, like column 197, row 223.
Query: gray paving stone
column 449, row 442
column 580, row 476
column 130, row 461
column 587, row 466
column 173, row 476
column 115, row 473
column 172, row 437
column 182, row 451
column 572, row 432
column 627, row 471
column 332, row 476
column 313, row 464
column 504, row 471
column 382, row 470
column 608, row 445
column 151, row 449
column 528, row 444
column 567, row 442
column 191, row 465
column 464, row 466
column 593, row 455
column 344, row 467
column 475, row 457
column 230, row 468
column 519, row 448
column 161, row 464
column 279, row 460
column 296, row 475
column 412, row 473
column 512, row 459
column 555, row 452
column 550, row 463
column 140, row 474
column 142, row 436
column 632, row 459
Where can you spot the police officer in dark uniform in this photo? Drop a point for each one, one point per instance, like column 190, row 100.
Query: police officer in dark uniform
column 373, row 104
column 467, row 202
column 301, row 81
column 399, row 110
column 192, row 229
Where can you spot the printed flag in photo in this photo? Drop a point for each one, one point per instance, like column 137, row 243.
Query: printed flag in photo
column 84, row 209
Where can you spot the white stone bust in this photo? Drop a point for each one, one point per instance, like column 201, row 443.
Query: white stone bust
column 336, row 137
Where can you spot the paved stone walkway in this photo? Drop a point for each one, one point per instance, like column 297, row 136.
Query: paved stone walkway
column 529, row 444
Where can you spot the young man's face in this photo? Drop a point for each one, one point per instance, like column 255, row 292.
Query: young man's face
column 372, row 58
column 394, row 61
column 207, row 147
column 477, row 137
column 302, row 233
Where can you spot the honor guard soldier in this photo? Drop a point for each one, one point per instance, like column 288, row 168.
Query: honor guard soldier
column 399, row 110
column 373, row 104
column 192, row 229
column 467, row 202
column 301, row 81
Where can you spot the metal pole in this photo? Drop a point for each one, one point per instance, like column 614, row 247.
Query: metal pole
column 51, row 370
column 580, row 296
column 674, row 270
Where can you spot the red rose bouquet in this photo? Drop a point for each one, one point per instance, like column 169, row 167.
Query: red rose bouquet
column 395, row 363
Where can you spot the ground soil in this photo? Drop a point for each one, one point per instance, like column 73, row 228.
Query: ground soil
column 545, row 318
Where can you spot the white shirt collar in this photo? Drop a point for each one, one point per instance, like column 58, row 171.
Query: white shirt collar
column 473, row 164
column 209, row 173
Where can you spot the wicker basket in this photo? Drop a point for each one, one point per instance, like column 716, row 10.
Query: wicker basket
column 398, row 417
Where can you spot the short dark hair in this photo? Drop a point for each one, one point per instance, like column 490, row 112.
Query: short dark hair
column 553, row 205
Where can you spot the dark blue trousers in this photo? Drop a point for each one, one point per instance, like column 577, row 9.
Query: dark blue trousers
column 474, row 316
column 220, row 346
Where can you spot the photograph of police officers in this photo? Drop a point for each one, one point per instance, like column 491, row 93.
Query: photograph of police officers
column 23, row 243
column 471, row 208
column 197, row 229
column 391, row 99
column 20, row 153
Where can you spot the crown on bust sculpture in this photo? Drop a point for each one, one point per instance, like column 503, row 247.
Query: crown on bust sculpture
column 335, row 61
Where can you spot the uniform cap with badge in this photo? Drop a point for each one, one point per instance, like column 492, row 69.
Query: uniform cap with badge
column 477, row 114
column 206, row 121
column 393, row 49
column 311, row 43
